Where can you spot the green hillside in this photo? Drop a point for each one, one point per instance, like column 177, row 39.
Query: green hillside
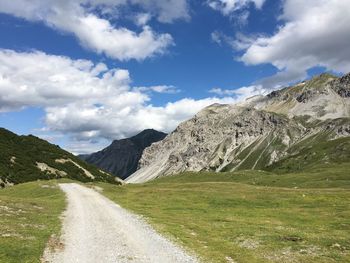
column 313, row 154
column 320, row 148
column 28, row 158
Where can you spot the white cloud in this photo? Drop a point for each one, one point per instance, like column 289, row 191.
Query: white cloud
column 142, row 19
column 166, row 11
column 159, row 89
column 99, row 34
column 85, row 147
column 117, row 121
column 35, row 78
column 227, row 7
column 314, row 33
column 238, row 11
column 216, row 37
column 88, row 101
column 240, row 93
column 221, row 38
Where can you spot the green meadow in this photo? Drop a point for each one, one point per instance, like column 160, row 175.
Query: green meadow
column 29, row 218
column 248, row 216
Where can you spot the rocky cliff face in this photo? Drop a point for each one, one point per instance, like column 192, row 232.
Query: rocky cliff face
column 253, row 134
column 122, row 156
column 342, row 86
column 323, row 97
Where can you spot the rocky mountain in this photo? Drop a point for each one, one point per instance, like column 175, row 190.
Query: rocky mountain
column 28, row 158
column 257, row 134
column 323, row 97
column 122, row 156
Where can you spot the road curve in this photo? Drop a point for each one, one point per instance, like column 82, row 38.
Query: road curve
column 97, row 230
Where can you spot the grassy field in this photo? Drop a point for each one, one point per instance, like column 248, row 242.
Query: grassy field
column 248, row 216
column 29, row 215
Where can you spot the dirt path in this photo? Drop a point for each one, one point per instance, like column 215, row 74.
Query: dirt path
column 97, row 230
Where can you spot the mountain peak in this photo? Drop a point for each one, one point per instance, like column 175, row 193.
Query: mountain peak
column 325, row 75
column 321, row 97
column 319, row 80
column 147, row 132
column 122, row 156
column 253, row 134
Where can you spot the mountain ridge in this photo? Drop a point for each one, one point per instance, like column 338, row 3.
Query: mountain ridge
column 253, row 134
column 121, row 157
column 29, row 158
column 324, row 96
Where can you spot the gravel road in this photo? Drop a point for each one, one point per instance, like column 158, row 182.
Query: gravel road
column 97, row 230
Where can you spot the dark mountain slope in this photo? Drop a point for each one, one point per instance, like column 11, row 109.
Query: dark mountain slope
column 28, row 158
column 122, row 156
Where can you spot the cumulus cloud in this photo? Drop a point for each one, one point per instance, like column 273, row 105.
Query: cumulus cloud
column 89, row 101
column 227, row 7
column 111, row 122
column 238, row 11
column 35, row 78
column 142, row 19
column 84, row 147
column 240, row 93
column 97, row 33
column 314, row 33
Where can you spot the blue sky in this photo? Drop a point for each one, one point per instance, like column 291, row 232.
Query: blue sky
column 81, row 74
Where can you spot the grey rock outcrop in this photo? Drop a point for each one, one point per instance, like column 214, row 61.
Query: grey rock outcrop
column 342, row 86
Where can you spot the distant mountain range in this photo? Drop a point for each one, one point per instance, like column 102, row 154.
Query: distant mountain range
column 292, row 129
column 121, row 158
column 304, row 127
column 28, row 158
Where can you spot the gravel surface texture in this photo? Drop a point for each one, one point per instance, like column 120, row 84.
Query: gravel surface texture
column 97, row 230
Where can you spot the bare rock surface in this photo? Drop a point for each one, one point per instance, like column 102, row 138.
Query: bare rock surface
column 323, row 97
column 252, row 134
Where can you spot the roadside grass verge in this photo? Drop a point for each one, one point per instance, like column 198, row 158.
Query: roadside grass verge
column 226, row 218
column 29, row 215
